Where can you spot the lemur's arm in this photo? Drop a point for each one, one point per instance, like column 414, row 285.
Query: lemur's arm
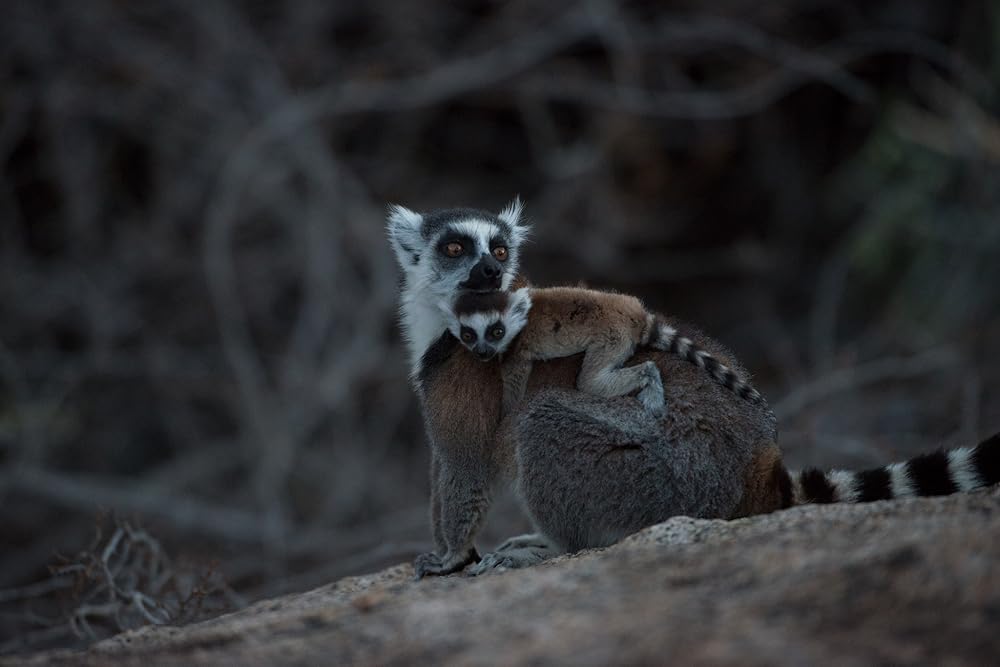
column 439, row 544
column 516, row 370
column 460, row 498
column 462, row 417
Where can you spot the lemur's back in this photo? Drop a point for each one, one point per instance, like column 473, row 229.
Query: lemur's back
column 568, row 319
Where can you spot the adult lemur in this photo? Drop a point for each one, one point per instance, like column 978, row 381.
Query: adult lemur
column 591, row 470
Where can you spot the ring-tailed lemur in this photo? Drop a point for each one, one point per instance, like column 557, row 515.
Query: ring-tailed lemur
column 590, row 470
column 538, row 324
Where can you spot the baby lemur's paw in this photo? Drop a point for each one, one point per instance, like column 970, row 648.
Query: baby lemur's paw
column 651, row 395
column 436, row 565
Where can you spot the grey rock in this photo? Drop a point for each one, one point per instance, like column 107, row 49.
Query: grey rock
column 898, row 582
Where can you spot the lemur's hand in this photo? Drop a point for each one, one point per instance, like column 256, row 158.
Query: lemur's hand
column 433, row 564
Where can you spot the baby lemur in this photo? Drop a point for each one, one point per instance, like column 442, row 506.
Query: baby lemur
column 606, row 327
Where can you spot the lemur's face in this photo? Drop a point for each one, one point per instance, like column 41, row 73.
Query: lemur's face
column 448, row 251
column 487, row 323
column 484, row 334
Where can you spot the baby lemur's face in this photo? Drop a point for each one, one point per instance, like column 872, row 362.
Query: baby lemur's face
column 486, row 323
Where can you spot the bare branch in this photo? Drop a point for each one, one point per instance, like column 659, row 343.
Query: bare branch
column 858, row 377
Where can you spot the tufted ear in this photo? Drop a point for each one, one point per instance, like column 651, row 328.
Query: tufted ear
column 520, row 304
column 511, row 214
column 403, row 228
column 447, row 310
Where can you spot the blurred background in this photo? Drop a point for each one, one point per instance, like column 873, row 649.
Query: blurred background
column 203, row 391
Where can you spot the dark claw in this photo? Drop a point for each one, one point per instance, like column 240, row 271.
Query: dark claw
column 433, row 564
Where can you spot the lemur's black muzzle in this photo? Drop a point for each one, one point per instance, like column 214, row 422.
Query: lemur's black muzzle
column 484, row 352
column 485, row 276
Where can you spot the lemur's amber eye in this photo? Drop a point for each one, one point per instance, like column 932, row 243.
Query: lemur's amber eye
column 497, row 333
column 453, row 249
column 500, row 252
column 468, row 336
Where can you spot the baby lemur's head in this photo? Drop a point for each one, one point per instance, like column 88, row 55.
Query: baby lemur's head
column 487, row 322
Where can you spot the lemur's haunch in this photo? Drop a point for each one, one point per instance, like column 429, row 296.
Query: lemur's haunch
column 537, row 324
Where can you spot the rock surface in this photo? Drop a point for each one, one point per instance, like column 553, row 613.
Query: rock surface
column 901, row 582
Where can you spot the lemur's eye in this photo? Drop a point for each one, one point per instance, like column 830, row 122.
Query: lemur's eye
column 468, row 336
column 500, row 252
column 453, row 249
column 497, row 333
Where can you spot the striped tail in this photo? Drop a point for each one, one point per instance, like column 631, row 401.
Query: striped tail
column 938, row 474
column 665, row 337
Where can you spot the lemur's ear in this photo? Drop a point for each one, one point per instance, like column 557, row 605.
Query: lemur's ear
column 511, row 214
column 520, row 303
column 403, row 228
column 447, row 310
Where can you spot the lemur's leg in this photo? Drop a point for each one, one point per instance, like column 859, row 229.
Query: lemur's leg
column 525, row 541
column 602, row 375
column 517, row 552
column 463, row 493
column 439, row 543
column 516, row 370
column 592, row 470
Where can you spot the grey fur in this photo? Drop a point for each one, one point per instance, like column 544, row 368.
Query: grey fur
column 594, row 470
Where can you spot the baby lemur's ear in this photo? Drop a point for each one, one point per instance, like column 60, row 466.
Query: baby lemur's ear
column 403, row 227
column 520, row 304
column 511, row 214
column 447, row 310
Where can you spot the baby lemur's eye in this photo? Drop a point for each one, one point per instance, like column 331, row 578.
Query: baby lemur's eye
column 468, row 335
column 497, row 333
column 453, row 249
column 500, row 252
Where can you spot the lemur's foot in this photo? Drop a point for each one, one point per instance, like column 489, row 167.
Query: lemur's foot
column 525, row 541
column 517, row 552
column 651, row 395
column 436, row 565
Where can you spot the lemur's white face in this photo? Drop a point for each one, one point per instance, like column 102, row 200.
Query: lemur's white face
column 458, row 249
column 489, row 332
column 444, row 253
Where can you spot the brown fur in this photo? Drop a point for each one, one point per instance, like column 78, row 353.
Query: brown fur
column 768, row 487
column 574, row 318
column 605, row 326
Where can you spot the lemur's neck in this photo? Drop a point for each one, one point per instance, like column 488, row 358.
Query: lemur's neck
column 423, row 322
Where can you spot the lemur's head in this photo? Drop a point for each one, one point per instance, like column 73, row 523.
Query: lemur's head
column 487, row 322
column 448, row 251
